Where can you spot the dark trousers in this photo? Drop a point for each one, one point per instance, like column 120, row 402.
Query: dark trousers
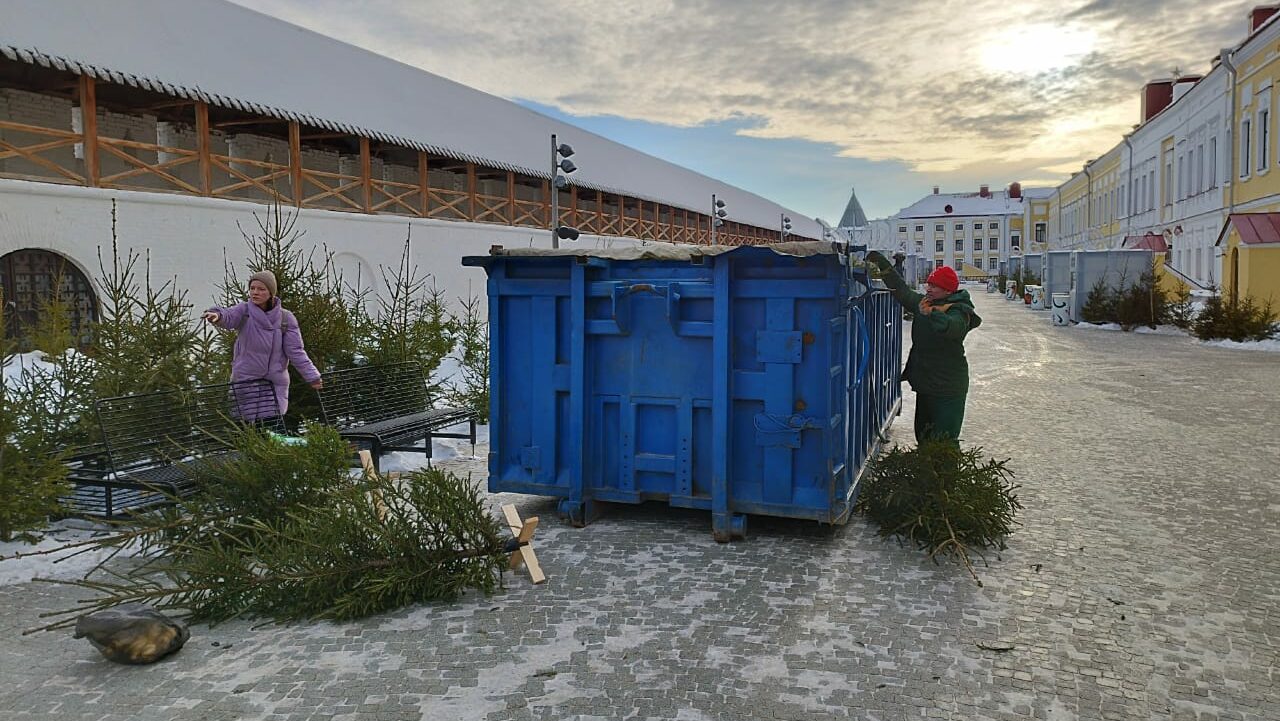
column 939, row 416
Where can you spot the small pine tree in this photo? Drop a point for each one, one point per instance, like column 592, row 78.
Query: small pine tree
column 1235, row 319
column 412, row 321
column 146, row 338
column 1100, row 305
column 1142, row 303
column 471, row 388
column 1181, row 311
column 32, row 475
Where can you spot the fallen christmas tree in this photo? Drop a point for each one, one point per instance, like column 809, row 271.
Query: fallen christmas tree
column 284, row 532
column 946, row 500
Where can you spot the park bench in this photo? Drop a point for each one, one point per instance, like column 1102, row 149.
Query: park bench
column 149, row 438
column 388, row 408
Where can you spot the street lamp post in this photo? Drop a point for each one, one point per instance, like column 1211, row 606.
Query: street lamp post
column 717, row 215
column 560, row 153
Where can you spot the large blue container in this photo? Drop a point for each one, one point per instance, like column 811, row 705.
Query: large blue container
column 749, row 380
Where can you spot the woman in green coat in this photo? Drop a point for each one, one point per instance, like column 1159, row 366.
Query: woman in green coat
column 936, row 367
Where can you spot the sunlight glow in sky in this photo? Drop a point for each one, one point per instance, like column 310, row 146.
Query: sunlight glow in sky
column 1035, row 48
column 799, row 101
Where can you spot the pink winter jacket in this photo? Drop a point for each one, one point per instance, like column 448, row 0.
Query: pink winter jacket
column 263, row 349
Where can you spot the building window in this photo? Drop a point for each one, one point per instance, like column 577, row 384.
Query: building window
column 977, row 243
column 1200, row 168
column 959, row 266
column 919, row 228
column 937, row 263
column 960, row 226
column 1151, row 190
column 1246, row 135
column 902, row 228
column 993, row 226
column 977, row 226
column 1015, row 242
column 1167, row 190
column 937, row 227
column 959, row 245
column 992, row 263
column 1264, row 138
column 937, row 246
column 1213, row 162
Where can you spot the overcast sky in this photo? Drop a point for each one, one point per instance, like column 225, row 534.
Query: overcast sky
column 799, row 101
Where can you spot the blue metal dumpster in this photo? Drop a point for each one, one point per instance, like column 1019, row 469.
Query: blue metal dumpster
column 746, row 380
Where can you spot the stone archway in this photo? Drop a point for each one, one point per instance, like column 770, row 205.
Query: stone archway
column 29, row 278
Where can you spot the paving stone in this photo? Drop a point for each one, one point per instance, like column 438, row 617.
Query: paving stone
column 1146, row 465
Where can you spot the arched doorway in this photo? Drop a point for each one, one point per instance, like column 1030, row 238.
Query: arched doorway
column 29, row 278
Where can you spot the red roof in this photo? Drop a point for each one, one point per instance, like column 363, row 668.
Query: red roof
column 1150, row 241
column 1255, row 228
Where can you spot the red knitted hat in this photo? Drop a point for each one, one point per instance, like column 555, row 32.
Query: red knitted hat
column 945, row 278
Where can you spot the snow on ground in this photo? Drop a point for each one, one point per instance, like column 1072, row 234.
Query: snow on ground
column 19, row 363
column 1272, row 344
column 19, row 565
column 442, row 449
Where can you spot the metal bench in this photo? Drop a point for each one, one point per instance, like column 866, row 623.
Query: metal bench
column 148, row 438
column 387, row 408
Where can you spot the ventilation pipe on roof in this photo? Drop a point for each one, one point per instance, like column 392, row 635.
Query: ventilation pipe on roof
column 935, row 190
column 1259, row 16
column 1015, row 190
column 984, row 191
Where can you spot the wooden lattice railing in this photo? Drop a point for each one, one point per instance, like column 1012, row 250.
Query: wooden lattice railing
column 34, row 152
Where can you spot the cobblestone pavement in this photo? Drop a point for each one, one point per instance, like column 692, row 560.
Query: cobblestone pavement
column 1145, row 584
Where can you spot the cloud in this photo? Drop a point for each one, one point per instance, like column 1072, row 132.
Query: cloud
column 941, row 87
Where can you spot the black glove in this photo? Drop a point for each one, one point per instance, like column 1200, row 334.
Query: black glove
column 875, row 258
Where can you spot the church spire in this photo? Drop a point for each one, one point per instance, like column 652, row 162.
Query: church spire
column 853, row 216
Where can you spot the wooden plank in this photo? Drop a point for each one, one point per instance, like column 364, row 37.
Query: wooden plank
column 471, row 191
column 89, row 126
column 203, row 142
column 513, row 518
column 295, row 161
column 531, row 560
column 511, row 198
column 423, row 179
column 366, row 175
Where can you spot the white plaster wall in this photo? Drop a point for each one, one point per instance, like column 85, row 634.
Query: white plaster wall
column 187, row 237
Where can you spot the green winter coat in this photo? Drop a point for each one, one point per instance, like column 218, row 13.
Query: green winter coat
column 936, row 365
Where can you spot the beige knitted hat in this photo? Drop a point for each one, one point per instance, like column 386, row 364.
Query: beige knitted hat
column 267, row 278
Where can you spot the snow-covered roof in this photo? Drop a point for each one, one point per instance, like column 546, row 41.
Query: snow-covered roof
column 234, row 57
column 962, row 204
column 1038, row 193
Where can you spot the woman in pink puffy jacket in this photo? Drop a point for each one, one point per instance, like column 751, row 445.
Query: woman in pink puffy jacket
column 267, row 341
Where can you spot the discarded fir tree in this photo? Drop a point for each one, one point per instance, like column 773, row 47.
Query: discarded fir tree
column 283, row 532
column 946, row 500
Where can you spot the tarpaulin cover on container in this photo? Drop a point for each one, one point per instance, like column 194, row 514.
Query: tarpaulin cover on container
column 743, row 380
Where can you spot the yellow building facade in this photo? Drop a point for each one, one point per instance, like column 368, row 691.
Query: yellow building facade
column 1250, row 240
column 1204, row 152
